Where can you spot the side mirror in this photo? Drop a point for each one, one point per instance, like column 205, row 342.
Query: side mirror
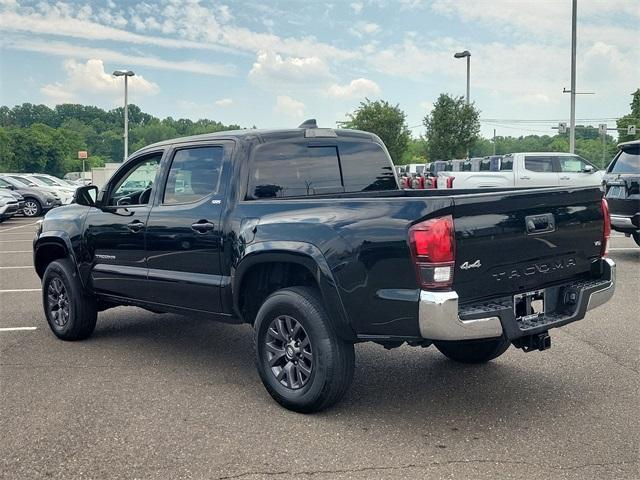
column 86, row 195
column 588, row 169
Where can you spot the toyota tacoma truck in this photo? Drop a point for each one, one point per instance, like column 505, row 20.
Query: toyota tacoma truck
column 304, row 235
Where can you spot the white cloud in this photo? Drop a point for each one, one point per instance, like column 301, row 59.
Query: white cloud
column 196, row 27
column 534, row 99
column 223, row 102
column 56, row 23
column 69, row 50
column 91, row 78
column 272, row 69
column 426, row 106
column 364, row 28
column 358, row 88
column 412, row 60
column 356, row 7
column 289, row 107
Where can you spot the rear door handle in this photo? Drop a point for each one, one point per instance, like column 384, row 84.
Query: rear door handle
column 136, row 226
column 525, row 178
column 202, row 226
column 565, row 178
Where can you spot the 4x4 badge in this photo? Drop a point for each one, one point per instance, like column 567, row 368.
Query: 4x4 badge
column 468, row 266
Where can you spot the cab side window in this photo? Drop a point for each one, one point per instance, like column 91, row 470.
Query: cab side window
column 195, row 173
column 538, row 163
column 134, row 186
column 571, row 164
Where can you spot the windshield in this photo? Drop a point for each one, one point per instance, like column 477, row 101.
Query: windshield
column 18, row 182
column 46, row 181
column 31, row 181
column 66, row 183
column 627, row 161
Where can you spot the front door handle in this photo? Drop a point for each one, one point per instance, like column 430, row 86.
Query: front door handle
column 203, row 226
column 525, row 178
column 565, row 178
column 136, row 226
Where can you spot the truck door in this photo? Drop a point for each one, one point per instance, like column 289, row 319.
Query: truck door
column 114, row 233
column 577, row 172
column 184, row 235
column 537, row 171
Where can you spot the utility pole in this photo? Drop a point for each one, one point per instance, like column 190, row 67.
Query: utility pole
column 572, row 131
column 494, row 141
column 603, row 133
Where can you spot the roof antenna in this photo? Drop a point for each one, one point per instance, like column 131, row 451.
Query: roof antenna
column 311, row 123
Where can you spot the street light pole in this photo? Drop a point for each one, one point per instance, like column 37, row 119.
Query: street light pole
column 572, row 122
column 468, row 57
column 126, row 74
column 468, row 77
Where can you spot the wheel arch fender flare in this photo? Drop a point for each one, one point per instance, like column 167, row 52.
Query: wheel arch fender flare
column 54, row 238
column 306, row 255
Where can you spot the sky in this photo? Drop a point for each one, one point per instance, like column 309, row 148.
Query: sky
column 276, row 63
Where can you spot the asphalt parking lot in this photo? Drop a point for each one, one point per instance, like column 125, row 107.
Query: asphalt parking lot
column 162, row 396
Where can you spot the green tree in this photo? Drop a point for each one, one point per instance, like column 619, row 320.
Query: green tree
column 632, row 118
column 416, row 152
column 385, row 120
column 453, row 127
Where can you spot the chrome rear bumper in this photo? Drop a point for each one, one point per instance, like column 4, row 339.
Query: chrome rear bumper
column 439, row 318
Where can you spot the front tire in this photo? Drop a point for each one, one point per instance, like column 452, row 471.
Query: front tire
column 303, row 363
column 70, row 313
column 636, row 237
column 476, row 351
column 32, row 208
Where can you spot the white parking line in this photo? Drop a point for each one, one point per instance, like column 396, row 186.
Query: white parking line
column 17, row 240
column 17, row 251
column 19, row 226
column 620, row 249
column 18, row 290
column 13, row 268
column 16, row 329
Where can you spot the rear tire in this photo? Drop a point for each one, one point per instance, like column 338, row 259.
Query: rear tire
column 303, row 363
column 475, row 351
column 70, row 313
column 636, row 238
column 32, row 208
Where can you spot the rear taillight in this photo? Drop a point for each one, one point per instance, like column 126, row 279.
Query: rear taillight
column 606, row 231
column 450, row 182
column 432, row 245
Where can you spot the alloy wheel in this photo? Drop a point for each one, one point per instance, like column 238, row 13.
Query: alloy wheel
column 58, row 302
column 289, row 352
column 30, row 208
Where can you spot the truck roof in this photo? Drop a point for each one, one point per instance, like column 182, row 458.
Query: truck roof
column 557, row 154
column 627, row 144
column 267, row 134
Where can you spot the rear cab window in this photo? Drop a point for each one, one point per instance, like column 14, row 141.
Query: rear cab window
column 627, row 161
column 299, row 169
column 194, row 174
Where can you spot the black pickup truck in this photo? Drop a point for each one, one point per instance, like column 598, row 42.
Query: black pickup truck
column 305, row 235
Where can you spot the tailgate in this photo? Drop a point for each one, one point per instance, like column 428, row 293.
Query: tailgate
column 518, row 241
column 623, row 194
